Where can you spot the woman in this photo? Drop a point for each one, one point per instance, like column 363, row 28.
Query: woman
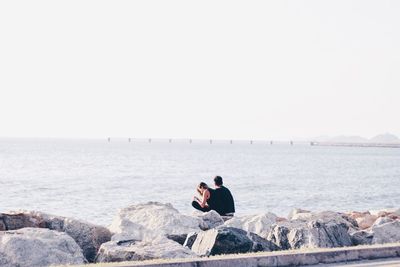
column 203, row 203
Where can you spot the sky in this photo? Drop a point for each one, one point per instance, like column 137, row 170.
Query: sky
column 199, row 69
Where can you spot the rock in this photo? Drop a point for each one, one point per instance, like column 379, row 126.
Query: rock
column 386, row 233
column 319, row 234
column 299, row 214
column 279, row 236
column 381, row 220
column 190, row 238
column 361, row 238
column 88, row 236
column 180, row 239
column 21, row 219
column 150, row 220
column 229, row 240
column 2, row 225
column 366, row 221
column 335, row 217
column 134, row 250
column 32, row 247
column 259, row 224
column 210, row 220
column 312, row 234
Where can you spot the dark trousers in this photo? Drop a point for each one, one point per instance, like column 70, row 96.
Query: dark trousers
column 197, row 206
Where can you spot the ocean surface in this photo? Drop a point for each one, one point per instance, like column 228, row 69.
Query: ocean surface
column 92, row 179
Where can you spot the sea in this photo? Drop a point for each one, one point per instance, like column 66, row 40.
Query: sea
column 91, row 179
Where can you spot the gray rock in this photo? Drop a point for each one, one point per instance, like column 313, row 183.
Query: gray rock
column 386, row 233
column 259, row 224
column 88, row 236
column 136, row 250
column 210, row 220
column 229, row 240
column 279, row 236
column 31, row 247
column 361, row 238
column 317, row 234
column 381, row 220
column 180, row 239
column 190, row 238
column 18, row 220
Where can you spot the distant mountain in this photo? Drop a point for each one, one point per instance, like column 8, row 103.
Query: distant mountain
column 386, row 138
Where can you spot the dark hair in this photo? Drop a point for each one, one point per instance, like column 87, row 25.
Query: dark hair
column 218, row 180
column 202, row 185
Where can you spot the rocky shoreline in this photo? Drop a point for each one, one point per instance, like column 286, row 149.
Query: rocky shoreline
column 155, row 230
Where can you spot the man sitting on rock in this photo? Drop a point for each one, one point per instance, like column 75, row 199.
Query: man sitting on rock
column 224, row 203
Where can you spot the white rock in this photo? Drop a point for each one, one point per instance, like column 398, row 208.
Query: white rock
column 158, row 248
column 32, row 247
column 299, row 214
column 302, row 216
column 88, row 236
column 260, row 224
column 386, row 233
column 210, row 220
column 150, row 220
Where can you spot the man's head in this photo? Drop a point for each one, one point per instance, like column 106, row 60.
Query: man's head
column 218, row 181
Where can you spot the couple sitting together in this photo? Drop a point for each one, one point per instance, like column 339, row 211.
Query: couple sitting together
column 219, row 199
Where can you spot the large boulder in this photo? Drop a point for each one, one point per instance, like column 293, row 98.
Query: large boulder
column 229, row 240
column 319, row 234
column 88, row 236
column 30, row 247
column 260, row 224
column 134, row 250
column 150, row 220
column 386, row 233
column 312, row 234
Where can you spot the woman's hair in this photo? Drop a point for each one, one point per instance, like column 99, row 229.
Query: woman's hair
column 202, row 185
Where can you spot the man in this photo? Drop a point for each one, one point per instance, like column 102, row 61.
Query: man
column 222, row 199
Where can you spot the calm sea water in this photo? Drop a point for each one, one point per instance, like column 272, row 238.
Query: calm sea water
column 92, row 179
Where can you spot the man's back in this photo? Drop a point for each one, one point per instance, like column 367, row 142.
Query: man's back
column 222, row 200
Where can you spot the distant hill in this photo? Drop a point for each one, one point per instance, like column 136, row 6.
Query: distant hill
column 386, row 138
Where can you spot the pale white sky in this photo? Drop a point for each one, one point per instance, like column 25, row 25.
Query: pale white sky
column 199, row 69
